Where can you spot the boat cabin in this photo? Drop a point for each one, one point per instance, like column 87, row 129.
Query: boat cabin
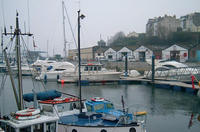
column 100, row 105
column 40, row 124
column 62, row 106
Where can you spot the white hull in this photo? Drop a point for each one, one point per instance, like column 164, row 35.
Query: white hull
column 50, row 76
column 71, row 128
column 100, row 76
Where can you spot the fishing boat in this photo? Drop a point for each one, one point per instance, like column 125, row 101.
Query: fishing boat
column 101, row 115
column 90, row 72
column 25, row 119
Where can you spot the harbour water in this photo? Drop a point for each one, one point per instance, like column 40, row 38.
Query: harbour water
column 168, row 111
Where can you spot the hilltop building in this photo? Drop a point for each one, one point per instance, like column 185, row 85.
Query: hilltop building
column 190, row 22
column 162, row 26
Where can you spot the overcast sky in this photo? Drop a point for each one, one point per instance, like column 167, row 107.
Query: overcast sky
column 103, row 17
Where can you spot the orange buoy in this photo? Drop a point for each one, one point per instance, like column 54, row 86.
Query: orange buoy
column 62, row 81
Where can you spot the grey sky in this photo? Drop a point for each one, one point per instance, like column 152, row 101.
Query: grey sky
column 105, row 17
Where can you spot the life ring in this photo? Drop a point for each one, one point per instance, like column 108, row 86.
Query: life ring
column 27, row 117
column 27, row 112
column 59, row 100
column 97, row 99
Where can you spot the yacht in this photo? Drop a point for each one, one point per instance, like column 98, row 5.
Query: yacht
column 52, row 70
column 173, row 70
column 90, row 72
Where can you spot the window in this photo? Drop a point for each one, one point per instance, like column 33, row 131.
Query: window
column 95, row 68
column 99, row 68
column 103, row 130
column 110, row 106
column 86, row 68
column 90, row 68
column 98, row 107
column 63, row 107
column 25, row 129
column 132, row 129
column 47, row 108
column 89, row 108
column 38, row 128
column 50, row 127
column 74, row 130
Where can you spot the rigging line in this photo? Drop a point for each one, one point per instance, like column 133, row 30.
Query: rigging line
column 32, row 77
column 3, row 14
column 70, row 26
column 28, row 16
column 4, row 77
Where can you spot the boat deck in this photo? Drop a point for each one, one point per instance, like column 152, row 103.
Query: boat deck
column 94, row 120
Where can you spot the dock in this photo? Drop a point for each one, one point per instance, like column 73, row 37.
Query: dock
column 164, row 84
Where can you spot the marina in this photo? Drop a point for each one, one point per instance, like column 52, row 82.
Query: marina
column 167, row 110
column 132, row 82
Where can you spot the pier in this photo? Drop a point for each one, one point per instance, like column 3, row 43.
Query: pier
column 164, row 84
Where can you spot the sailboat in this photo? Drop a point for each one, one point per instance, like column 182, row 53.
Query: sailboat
column 29, row 119
column 101, row 115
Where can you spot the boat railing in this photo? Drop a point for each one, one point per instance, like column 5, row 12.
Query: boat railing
column 179, row 74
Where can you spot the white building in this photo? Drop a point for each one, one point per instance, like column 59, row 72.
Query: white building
column 142, row 53
column 175, row 52
column 110, row 54
column 124, row 51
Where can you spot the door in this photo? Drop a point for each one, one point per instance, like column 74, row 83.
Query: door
column 175, row 55
column 142, row 56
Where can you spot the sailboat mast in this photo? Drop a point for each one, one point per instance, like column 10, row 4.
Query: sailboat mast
column 79, row 62
column 65, row 50
column 2, row 44
column 79, row 59
column 17, row 33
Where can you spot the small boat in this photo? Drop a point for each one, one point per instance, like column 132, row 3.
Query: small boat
column 25, row 119
column 28, row 120
column 101, row 116
column 52, row 71
column 173, row 70
column 93, row 72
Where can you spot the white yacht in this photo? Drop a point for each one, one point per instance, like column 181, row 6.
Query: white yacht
column 173, row 70
column 52, row 70
column 91, row 72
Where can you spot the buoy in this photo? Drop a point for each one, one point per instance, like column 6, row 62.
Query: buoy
column 28, row 112
column 140, row 113
column 97, row 99
column 62, row 81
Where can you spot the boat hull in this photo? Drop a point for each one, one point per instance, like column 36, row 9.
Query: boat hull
column 71, row 128
column 93, row 77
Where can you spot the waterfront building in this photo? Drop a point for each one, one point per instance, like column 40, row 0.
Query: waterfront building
column 111, row 54
column 142, row 53
column 122, row 52
column 176, row 53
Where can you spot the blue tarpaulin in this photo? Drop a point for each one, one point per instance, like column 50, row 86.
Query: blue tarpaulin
column 46, row 95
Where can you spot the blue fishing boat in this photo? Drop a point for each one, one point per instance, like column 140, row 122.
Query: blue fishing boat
column 101, row 116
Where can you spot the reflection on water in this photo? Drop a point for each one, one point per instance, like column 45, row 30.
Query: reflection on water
column 168, row 111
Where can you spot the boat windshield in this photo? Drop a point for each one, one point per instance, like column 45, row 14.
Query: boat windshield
column 109, row 106
column 99, row 107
